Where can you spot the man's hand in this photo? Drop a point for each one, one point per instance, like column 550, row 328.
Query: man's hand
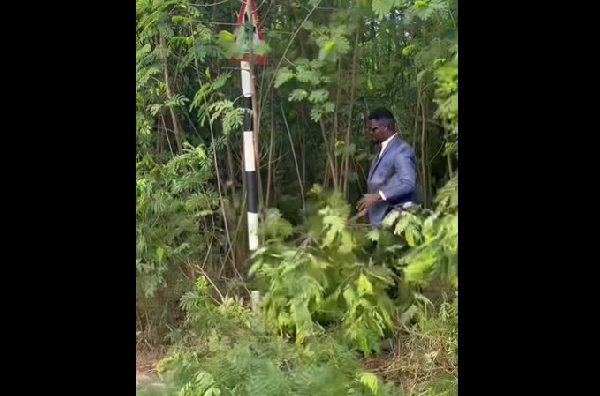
column 368, row 201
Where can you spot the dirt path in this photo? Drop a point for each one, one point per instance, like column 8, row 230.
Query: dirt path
column 145, row 364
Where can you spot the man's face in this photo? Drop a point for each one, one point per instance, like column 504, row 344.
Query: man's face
column 377, row 130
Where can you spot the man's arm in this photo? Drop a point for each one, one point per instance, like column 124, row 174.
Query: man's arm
column 403, row 180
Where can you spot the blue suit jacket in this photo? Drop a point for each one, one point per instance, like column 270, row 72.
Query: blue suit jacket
column 395, row 174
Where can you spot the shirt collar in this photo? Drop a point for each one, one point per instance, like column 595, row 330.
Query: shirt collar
column 385, row 143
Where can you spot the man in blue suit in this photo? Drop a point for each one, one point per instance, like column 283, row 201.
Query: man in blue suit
column 393, row 174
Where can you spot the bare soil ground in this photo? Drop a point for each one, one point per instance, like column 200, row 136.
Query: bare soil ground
column 145, row 363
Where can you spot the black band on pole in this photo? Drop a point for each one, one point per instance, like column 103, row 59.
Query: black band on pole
column 252, row 180
column 247, row 105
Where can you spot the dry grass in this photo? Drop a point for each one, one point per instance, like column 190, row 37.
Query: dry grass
column 417, row 360
column 146, row 360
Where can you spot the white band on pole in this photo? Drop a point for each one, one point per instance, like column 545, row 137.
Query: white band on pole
column 246, row 80
column 249, row 163
column 253, row 231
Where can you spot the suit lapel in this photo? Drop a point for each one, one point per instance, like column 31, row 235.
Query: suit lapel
column 374, row 162
column 378, row 159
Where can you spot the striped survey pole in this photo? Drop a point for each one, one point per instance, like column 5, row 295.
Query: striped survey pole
column 249, row 34
column 250, row 166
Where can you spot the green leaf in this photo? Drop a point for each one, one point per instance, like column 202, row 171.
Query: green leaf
column 363, row 286
column 227, row 36
column 346, row 244
column 323, row 54
column 318, row 96
column 276, row 226
column 373, row 235
column 204, row 380
column 213, row 392
column 306, row 75
column 382, row 7
column 316, row 189
column 342, row 45
column 402, row 224
column 261, row 48
column 370, row 380
column 297, row 95
column 409, row 50
column 390, row 218
column 200, row 152
column 410, row 239
column 349, row 296
column 283, row 75
column 176, row 101
column 308, row 25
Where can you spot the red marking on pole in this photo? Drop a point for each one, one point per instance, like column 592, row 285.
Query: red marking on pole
column 248, row 14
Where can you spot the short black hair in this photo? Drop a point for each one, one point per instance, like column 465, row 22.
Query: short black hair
column 381, row 113
column 384, row 116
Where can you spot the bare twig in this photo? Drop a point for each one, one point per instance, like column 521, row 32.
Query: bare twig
column 293, row 153
column 212, row 283
column 219, row 184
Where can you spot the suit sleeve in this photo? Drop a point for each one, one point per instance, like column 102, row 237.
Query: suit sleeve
column 404, row 178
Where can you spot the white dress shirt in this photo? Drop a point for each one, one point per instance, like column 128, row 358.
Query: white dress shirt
column 383, row 146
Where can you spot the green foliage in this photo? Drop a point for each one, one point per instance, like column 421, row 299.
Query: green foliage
column 172, row 201
column 228, row 351
column 310, row 76
column 325, row 276
column 447, row 98
column 241, row 43
column 383, row 7
column 208, row 325
column 145, row 69
column 326, row 282
column 437, row 255
column 331, row 275
column 332, row 42
column 171, row 43
column 234, row 355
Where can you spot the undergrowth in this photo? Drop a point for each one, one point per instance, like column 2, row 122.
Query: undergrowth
column 227, row 350
column 356, row 278
column 424, row 355
column 332, row 289
column 173, row 207
column 328, row 302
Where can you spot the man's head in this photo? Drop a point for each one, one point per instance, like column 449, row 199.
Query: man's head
column 381, row 125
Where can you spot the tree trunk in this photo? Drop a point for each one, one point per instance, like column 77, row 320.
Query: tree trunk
column 176, row 130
